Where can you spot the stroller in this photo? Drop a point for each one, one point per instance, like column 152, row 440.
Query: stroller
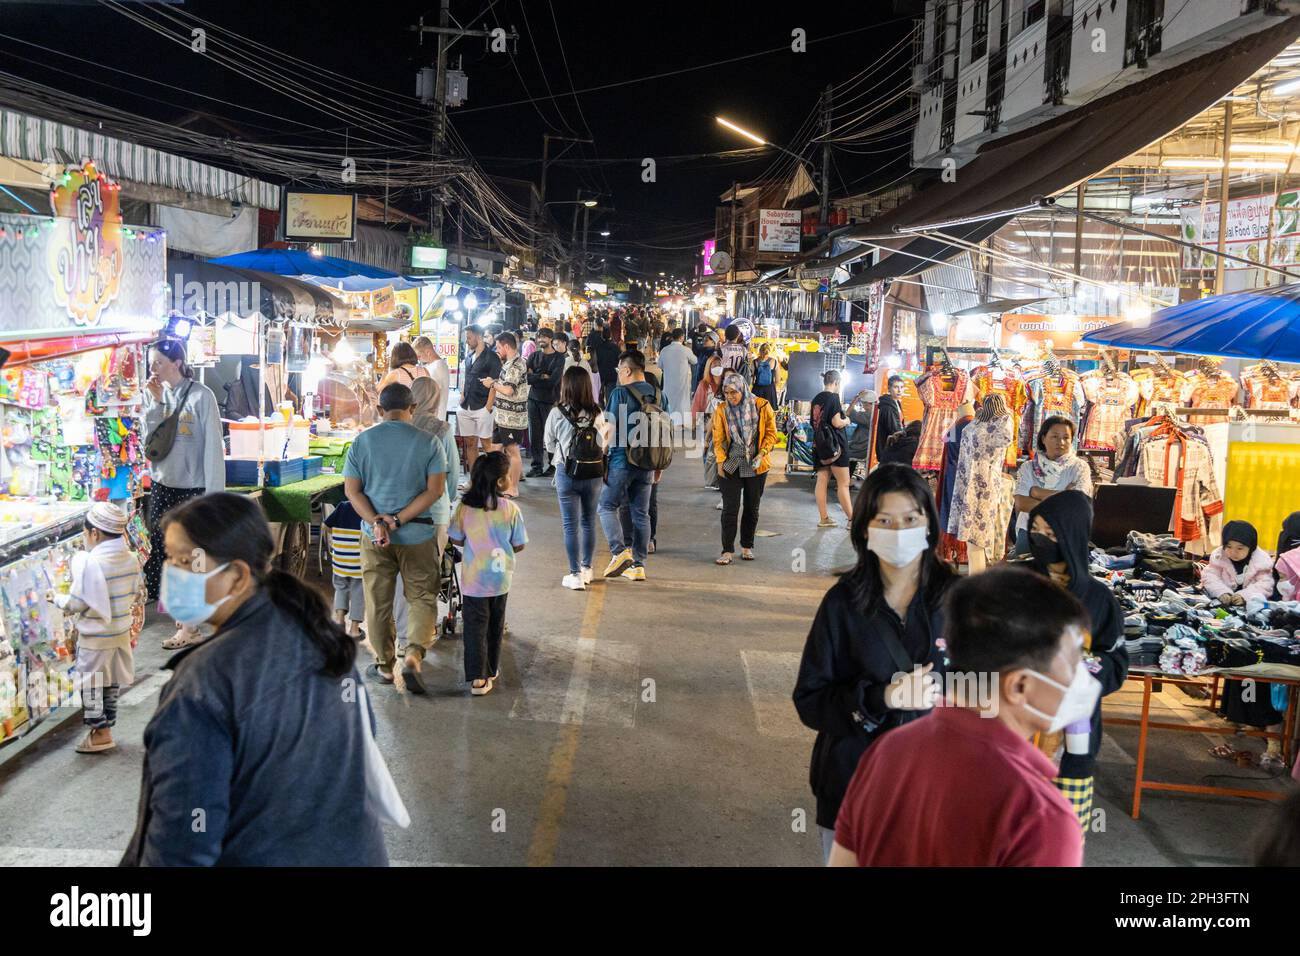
column 799, row 448
column 449, row 590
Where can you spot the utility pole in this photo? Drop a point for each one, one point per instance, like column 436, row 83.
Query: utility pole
column 826, row 157
column 1224, row 184
column 546, row 164
column 586, row 222
column 447, row 36
column 573, row 238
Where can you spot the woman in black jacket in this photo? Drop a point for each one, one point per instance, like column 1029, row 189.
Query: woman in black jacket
column 876, row 644
column 257, row 754
column 1058, row 540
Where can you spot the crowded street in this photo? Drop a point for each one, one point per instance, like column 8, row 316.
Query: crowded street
column 531, row 436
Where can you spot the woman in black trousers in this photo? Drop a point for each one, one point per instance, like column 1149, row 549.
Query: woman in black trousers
column 744, row 434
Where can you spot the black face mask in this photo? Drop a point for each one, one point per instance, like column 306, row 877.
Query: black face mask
column 1045, row 550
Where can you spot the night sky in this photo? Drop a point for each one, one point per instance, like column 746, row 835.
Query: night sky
column 603, row 43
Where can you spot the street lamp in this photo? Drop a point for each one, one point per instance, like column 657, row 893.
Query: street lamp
column 754, row 137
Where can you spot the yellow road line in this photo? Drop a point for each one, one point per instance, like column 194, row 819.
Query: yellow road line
column 546, row 834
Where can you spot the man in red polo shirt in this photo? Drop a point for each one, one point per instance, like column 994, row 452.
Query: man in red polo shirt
column 964, row 786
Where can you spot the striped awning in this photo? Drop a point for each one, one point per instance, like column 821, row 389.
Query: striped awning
column 26, row 137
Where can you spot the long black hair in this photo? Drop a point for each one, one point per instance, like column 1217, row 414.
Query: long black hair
column 484, row 480
column 864, row 580
column 575, row 392
column 230, row 527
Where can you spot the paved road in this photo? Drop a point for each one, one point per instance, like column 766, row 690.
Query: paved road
column 636, row 723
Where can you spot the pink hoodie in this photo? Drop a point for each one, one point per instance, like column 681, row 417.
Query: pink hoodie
column 1220, row 577
column 1288, row 570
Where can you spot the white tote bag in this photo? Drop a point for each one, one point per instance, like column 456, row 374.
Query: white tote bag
column 381, row 791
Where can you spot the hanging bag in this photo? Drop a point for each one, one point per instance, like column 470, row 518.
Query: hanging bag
column 159, row 444
column 381, row 791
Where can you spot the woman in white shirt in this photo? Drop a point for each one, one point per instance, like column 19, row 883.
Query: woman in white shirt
column 577, row 484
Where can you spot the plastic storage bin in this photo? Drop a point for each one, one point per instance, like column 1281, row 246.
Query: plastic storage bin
column 299, row 437
column 245, row 439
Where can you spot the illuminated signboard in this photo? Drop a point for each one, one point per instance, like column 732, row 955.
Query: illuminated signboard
column 317, row 217
column 428, row 257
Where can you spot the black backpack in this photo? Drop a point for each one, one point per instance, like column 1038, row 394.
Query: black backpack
column 584, row 457
column 828, row 443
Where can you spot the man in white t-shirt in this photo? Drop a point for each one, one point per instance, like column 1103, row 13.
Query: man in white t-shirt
column 438, row 371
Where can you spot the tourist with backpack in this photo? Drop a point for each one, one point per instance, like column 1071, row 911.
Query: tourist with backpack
column 576, row 442
column 640, row 447
column 831, row 448
column 765, row 375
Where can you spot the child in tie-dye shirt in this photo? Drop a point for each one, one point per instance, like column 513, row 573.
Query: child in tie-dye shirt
column 490, row 530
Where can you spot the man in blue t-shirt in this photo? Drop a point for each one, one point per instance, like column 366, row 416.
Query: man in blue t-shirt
column 393, row 476
column 624, row 481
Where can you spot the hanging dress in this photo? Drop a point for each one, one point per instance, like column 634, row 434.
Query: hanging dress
column 979, row 489
column 940, row 412
column 1012, row 389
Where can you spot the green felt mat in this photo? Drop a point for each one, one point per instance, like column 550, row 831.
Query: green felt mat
column 292, row 502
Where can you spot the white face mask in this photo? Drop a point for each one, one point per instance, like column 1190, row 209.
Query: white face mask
column 898, row 548
column 1078, row 701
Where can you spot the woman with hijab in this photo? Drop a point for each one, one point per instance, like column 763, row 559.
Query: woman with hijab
column 1286, row 567
column 1238, row 572
column 744, row 434
column 1054, row 468
column 1059, row 529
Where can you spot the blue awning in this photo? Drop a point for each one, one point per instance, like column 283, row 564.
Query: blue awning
column 1259, row 324
column 295, row 262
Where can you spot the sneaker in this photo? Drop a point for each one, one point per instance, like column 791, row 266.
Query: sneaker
column 635, row 573
column 573, row 582
column 549, row 472
column 619, row 563
column 587, row 575
column 826, row 523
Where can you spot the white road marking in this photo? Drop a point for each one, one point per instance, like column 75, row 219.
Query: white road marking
column 56, row 856
column 580, row 681
column 145, row 689
column 770, row 676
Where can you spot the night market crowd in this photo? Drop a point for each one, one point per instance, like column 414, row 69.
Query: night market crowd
column 930, row 692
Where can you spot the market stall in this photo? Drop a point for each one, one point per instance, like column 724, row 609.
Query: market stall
column 80, row 295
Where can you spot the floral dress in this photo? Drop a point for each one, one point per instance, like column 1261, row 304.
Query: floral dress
column 979, row 487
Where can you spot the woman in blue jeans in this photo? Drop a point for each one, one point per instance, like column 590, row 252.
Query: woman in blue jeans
column 574, row 412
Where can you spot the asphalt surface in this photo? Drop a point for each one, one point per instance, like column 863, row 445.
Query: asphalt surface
column 634, row 724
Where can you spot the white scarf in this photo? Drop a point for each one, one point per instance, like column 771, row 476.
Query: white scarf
column 88, row 582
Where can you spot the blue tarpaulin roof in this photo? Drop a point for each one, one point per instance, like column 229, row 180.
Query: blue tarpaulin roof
column 295, row 262
column 1259, row 324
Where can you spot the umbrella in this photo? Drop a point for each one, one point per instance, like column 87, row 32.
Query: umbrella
column 1258, row 324
column 295, row 262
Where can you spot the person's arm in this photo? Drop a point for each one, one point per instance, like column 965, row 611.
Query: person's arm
column 456, row 530
column 842, row 857
column 766, row 431
column 1047, row 837
column 191, row 762
column 1108, row 646
column 550, row 432
column 518, row 533
column 823, row 699
column 208, row 419
column 720, row 440
column 453, row 462
column 1214, row 578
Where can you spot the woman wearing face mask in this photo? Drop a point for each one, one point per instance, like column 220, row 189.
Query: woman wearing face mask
column 1286, row 568
column 254, row 715
column 875, row 647
column 1054, row 468
column 1058, row 539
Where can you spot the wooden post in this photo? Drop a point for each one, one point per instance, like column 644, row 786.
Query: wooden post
column 1223, row 198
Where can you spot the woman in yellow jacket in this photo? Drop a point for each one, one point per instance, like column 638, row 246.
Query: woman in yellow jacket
column 744, row 434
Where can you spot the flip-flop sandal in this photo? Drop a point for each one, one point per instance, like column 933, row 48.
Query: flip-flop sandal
column 1224, row 751
column 374, row 673
column 412, row 679
column 746, row 554
column 1271, row 761
column 722, row 559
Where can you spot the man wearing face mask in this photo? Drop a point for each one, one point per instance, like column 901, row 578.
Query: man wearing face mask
column 965, row 787
column 1058, row 540
column 874, row 651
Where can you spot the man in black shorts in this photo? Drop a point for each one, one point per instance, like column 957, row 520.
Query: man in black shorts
column 827, row 407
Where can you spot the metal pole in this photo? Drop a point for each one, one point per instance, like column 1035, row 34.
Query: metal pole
column 573, row 237
column 731, row 277
column 1223, row 199
column 1078, row 234
column 586, row 222
column 826, row 158
column 440, row 115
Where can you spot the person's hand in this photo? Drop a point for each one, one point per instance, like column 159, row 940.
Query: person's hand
column 917, row 690
column 1226, row 599
column 155, row 387
column 379, row 532
column 487, row 382
column 658, row 475
column 1238, row 600
column 389, row 520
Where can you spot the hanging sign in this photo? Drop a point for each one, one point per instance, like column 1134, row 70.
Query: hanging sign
column 313, row 217
column 85, row 254
column 1248, row 222
column 779, row 230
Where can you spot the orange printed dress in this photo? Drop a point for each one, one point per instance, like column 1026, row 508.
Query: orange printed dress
column 1012, row 389
column 1157, row 387
column 1211, row 391
column 940, row 411
column 1265, row 391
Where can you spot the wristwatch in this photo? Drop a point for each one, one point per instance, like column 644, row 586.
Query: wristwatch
column 396, row 520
